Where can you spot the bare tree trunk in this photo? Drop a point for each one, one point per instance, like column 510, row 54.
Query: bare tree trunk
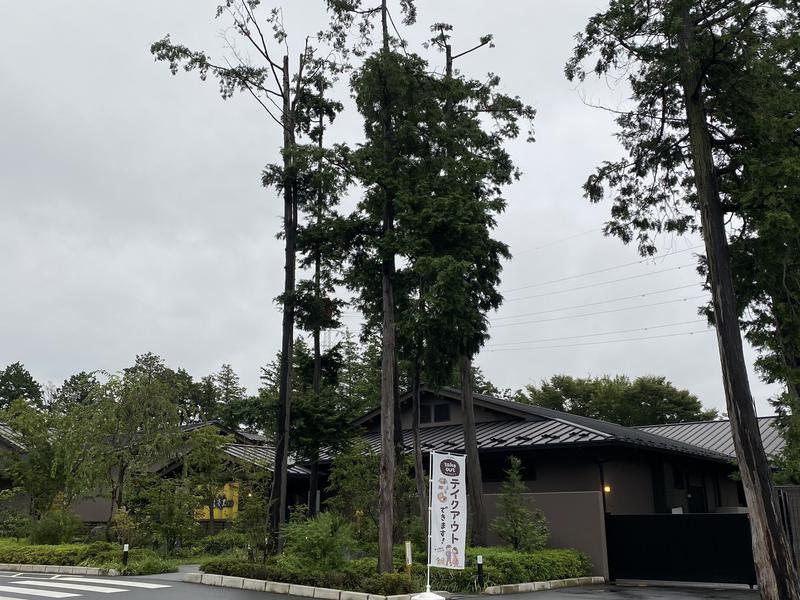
column 775, row 571
column 419, row 468
column 477, row 510
column 387, row 462
column 278, row 508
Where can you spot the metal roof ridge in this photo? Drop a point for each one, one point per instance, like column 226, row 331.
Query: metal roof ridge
column 761, row 418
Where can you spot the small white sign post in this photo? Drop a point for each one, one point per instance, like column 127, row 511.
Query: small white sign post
column 447, row 516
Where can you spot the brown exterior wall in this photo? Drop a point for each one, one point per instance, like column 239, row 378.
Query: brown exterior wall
column 576, row 521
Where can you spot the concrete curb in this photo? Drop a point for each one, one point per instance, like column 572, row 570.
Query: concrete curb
column 277, row 587
column 540, row 586
column 58, row 569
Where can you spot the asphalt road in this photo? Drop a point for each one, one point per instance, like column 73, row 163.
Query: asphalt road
column 27, row 586
column 637, row 592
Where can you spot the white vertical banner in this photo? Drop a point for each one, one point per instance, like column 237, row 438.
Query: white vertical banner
column 448, row 511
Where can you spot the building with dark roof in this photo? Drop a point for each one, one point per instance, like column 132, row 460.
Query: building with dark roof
column 646, row 472
column 717, row 436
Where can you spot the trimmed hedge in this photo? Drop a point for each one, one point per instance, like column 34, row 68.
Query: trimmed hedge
column 501, row 566
column 98, row 554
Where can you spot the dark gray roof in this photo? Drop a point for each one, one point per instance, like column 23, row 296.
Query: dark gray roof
column 261, row 456
column 529, row 426
column 717, row 436
column 12, row 438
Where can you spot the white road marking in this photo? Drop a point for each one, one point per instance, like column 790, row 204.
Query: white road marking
column 72, row 586
column 45, row 593
column 138, row 584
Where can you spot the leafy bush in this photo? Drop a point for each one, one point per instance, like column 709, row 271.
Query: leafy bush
column 319, row 543
column 98, row 554
column 222, row 542
column 519, row 524
column 387, row 584
column 124, row 527
column 56, row 526
column 501, row 566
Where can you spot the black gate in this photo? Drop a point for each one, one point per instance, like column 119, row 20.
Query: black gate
column 708, row 547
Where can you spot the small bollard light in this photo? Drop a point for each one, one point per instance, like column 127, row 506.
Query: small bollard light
column 125, row 548
column 479, row 560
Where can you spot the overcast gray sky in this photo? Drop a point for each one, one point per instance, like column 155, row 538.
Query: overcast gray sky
column 132, row 217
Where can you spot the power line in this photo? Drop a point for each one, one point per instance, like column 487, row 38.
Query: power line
column 586, row 287
column 600, row 312
column 552, row 310
column 558, row 241
column 635, row 339
column 587, row 335
column 606, row 269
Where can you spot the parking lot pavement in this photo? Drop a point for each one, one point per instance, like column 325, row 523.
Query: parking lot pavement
column 640, row 592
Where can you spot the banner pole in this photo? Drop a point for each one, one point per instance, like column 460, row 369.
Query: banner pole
column 430, row 524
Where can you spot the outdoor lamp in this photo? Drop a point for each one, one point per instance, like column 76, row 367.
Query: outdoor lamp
column 607, row 489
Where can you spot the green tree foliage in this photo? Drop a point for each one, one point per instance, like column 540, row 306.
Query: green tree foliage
column 646, row 400
column 75, row 391
column 138, row 417
column 692, row 69
column 16, row 383
column 36, row 473
column 62, row 458
column 519, row 524
column 165, row 508
column 228, row 390
column 254, row 504
column 353, row 487
column 205, row 465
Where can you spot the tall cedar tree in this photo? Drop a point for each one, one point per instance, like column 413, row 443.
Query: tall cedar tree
column 682, row 59
column 320, row 184
column 382, row 96
column 270, row 79
column 447, row 234
column 765, row 248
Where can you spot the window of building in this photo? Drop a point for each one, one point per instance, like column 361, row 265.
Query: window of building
column 425, row 413
column 434, row 413
column 441, row 413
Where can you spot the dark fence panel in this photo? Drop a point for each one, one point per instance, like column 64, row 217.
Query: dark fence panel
column 690, row 547
column 789, row 503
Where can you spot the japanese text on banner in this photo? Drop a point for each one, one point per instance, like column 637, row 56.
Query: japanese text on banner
column 448, row 515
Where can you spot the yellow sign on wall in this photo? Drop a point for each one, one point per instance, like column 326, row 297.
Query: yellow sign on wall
column 226, row 504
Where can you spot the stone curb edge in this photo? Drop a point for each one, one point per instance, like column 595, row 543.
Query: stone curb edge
column 276, row 587
column 540, row 586
column 58, row 569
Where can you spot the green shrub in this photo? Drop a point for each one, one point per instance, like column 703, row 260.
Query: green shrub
column 519, row 524
column 148, row 566
column 56, row 526
column 319, row 543
column 222, row 542
column 142, row 561
column 501, row 566
column 235, row 568
column 387, row 584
